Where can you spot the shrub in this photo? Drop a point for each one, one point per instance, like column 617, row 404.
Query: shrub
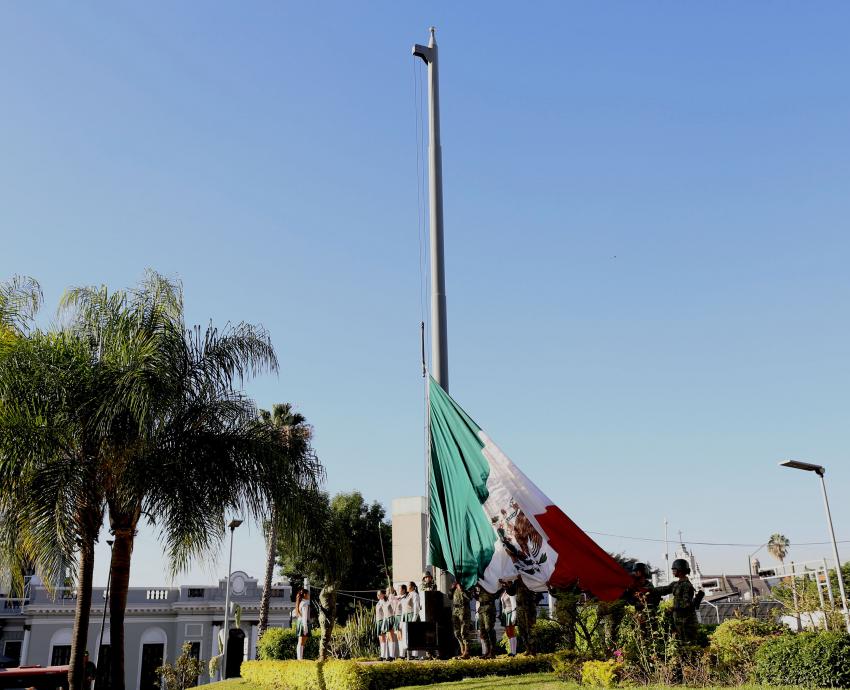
column 279, row 644
column 733, row 646
column 601, row 674
column 567, row 665
column 356, row 639
column 813, row 659
column 547, row 636
column 349, row 675
column 185, row 671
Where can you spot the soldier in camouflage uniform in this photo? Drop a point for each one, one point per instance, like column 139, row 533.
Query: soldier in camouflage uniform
column 487, row 623
column 684, row 615
column 526, row 605
column 461, row 620
column 428, row 584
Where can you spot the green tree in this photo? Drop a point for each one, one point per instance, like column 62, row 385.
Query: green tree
column 366, row 526
column 290, row 511
column 51, row 503
column 183, row 443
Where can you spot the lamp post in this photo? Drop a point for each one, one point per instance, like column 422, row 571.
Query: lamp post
column 105, row 605
column 232, row 526
column 820, row 471
column 750, row 570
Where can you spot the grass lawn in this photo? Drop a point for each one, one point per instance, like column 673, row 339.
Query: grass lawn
column 532, row 681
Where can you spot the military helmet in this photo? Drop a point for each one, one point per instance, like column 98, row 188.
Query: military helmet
column 681, row 564
column 427, row 573
column 640, row 568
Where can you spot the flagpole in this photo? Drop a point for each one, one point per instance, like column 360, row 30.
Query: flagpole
column 439, row 342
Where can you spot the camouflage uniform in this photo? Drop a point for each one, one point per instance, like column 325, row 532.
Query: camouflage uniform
column 684, row 616
column 428, row 586
column 461, row 619
column 487, row 620
column 526, row 609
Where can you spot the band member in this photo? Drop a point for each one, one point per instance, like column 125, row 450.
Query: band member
column 405, row 607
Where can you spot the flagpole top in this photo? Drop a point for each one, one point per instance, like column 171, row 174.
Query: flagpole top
column 433, row 30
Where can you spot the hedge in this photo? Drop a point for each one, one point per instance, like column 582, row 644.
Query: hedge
column 812, row 659
column 351, row 675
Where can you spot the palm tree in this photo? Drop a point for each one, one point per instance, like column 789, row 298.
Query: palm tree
column 777, row 546
column 294, row 436
column 184, row 444
column 51, row 507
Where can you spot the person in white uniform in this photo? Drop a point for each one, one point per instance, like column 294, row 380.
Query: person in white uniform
column 508, row 600
column 381, row 623
column 302, row 626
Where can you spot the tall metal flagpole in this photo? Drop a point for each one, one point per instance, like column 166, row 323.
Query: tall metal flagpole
column 439, row 345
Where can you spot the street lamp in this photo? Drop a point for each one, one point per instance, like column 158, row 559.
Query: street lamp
column 232, row 526
column 750, row 570
column 105, row 604
column 820, row 470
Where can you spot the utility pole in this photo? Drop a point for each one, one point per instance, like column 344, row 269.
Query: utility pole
column 439, row 344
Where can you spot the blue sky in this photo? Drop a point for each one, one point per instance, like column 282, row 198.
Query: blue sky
column 646, row 233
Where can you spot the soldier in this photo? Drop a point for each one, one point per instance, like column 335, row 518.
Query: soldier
column 684, row 615
column 642, row 594
column 526, row 609
column 487, row 623
column 428, row 584
column 460, row 618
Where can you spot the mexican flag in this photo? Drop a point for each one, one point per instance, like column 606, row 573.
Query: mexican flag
column 489, row 522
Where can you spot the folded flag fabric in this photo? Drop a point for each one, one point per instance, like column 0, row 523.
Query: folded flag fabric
column 489, row 522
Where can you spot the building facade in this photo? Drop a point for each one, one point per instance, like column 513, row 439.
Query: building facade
column 36, row 629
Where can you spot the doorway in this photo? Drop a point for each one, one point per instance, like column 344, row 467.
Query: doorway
column 235, row 653
column 152, row 655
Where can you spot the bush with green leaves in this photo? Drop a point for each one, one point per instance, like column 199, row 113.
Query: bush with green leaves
column 337, row 674
column 733, row 645
column 280, row 643
column 566, row 665
column 820, row 659
column 601, row 674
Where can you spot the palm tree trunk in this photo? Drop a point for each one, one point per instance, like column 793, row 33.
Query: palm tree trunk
column 267, row 584
column 122, row 551
column 327, row 617
column 77, row 671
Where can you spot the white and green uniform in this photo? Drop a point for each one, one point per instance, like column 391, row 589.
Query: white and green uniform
column 380, row 617
column 390, row 604
column 508, row 609
column 395, row 603
column 303, row 622
column 407, row 613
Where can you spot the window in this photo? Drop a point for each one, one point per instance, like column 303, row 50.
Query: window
column 195, row 650
column 61, row 655
column 196, row 592
column 13, row 651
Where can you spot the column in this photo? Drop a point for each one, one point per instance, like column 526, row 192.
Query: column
column 25, row 646
column 252, row 647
